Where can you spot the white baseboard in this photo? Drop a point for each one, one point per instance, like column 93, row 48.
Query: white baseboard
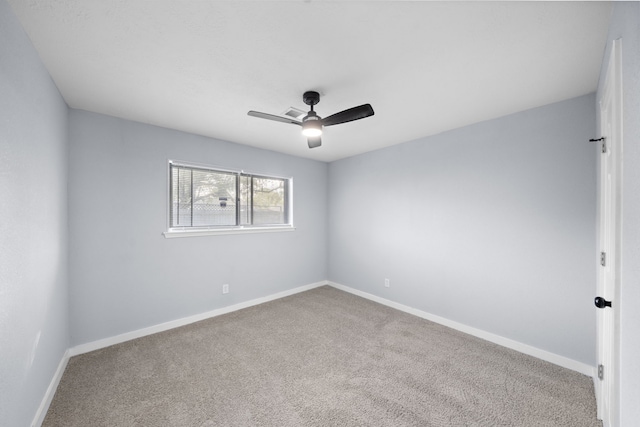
column 51, row 391
column 556, row 359
column 106, row 342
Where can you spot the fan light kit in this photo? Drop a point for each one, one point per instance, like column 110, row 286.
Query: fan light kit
column 312, row 124
column 311, row 127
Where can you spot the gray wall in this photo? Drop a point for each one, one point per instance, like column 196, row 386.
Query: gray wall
column 491, row 225
column 33, row 225
column 125, row 275
column 625, row 23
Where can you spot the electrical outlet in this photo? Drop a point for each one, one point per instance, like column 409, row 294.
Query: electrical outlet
column 386, row 283
column 225, row 288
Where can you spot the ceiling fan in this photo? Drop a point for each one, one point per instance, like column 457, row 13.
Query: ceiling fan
column 312, row 124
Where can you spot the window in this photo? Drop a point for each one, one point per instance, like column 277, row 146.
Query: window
column 208, row 199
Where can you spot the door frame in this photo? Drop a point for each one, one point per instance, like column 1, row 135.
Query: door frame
column 609, row 240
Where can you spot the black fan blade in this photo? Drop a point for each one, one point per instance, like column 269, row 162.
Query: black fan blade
column 314, row 141
column 272, row 117
column 349, row 115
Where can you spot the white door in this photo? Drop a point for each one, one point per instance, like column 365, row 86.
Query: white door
column 609, row 237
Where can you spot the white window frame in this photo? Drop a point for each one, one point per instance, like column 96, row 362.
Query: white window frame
column 226, row 229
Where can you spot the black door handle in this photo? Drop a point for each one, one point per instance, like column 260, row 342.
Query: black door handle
column 601, row 302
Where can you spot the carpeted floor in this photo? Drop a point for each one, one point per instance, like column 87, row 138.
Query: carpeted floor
column 318, row 358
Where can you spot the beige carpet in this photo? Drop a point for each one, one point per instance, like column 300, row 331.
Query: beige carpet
column 319, row 358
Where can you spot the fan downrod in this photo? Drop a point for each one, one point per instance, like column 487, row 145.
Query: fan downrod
column 311, row 98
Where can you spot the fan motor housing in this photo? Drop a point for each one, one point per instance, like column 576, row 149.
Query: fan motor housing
column 311, row 98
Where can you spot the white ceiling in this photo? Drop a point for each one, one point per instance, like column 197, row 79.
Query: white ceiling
column 426, row 67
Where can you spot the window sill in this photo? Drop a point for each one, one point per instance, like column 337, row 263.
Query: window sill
column 223, row 231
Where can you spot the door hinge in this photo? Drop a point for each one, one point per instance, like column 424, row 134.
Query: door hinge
column 603, row 259
column 600, row 372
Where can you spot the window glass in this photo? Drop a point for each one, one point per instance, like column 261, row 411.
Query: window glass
column 208, row 198
column 268, row 201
